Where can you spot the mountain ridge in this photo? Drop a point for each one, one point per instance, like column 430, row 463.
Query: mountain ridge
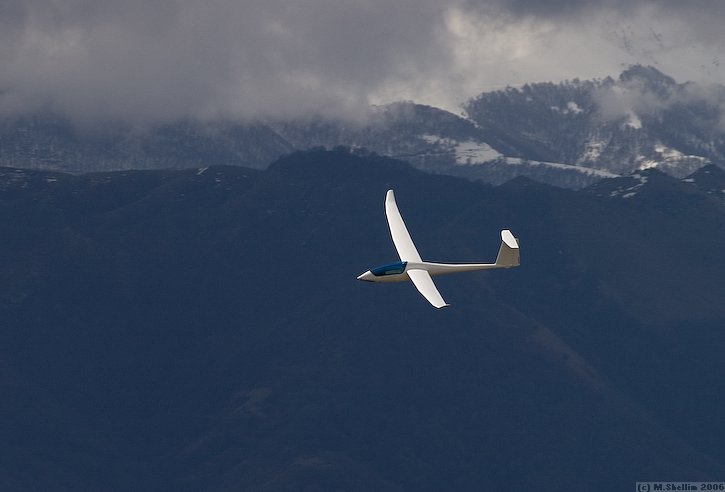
column 569, row 134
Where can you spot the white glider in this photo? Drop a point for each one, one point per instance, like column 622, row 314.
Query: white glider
column 412, row 267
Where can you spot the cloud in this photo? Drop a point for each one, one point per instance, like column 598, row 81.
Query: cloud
column 158, row 60
column 167, row 58
column 648, row 94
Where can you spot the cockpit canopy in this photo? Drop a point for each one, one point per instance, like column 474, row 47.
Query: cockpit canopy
column 391, row 269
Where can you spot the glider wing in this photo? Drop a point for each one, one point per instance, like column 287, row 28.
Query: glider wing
column 424, row 283
column 401, row 237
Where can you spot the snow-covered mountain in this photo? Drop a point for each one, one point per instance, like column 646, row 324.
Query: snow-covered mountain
column 569, row 134
column 436, row 141
column 642, row 120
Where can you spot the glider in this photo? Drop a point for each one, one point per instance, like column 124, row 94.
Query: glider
column 412, row 267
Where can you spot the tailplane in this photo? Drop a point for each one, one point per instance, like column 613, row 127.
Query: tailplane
column 508, row 254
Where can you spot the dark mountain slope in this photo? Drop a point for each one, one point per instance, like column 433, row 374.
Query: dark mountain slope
column 204, row 330
column 48, row 141
column 710, row 179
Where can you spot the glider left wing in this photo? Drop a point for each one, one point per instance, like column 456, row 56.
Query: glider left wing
column 424, row 283
column 401, row 237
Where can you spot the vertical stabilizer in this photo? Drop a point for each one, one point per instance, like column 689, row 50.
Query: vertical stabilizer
column 508, row 253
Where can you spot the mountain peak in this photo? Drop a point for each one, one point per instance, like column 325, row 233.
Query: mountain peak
column 649, row 73
column 649, row 77
column 632, row 185
column 709, row 179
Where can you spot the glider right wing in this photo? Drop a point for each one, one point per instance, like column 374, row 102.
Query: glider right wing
column 401, row 237
column 424, row 283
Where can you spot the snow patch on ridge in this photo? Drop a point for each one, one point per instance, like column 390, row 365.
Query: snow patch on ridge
column 467, row 152
column 593, row 150
column 633, row 121
column 470, row 152
column 571, row 108
column 515, row 161
column 630, row 191
column 667, row 156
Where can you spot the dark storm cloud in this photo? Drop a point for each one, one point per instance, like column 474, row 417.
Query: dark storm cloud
column 552, row 8
column 703, row 11
column 163, row 59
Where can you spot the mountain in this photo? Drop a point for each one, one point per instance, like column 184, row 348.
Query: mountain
column 431, row 139
column 709, row 179
column 644, row 119
column 569, row 134
column 43, row 141
column 436, row 141
column 202, row 329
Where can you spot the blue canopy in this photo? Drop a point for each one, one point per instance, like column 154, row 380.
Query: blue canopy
column 391, row 269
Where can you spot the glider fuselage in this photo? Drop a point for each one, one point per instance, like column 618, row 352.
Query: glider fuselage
column 396, row 272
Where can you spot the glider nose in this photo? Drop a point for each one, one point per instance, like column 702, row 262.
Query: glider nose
column 367, row 276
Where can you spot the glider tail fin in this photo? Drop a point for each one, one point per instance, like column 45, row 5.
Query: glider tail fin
column 508, row 253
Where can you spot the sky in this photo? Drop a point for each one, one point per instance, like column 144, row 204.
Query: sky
column 160, row 60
